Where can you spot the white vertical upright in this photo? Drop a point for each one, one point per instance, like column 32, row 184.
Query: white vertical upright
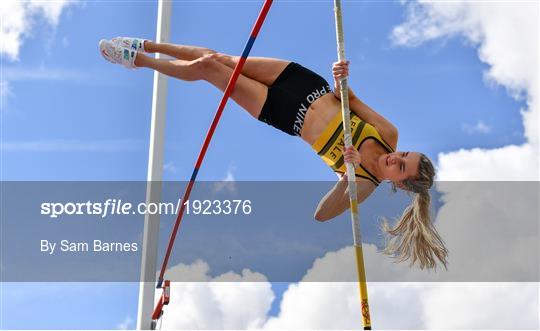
column 154, row 178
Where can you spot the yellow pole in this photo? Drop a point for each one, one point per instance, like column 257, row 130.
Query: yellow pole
column 355, row 220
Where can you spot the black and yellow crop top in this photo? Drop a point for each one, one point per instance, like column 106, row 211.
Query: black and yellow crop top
column 330, row 143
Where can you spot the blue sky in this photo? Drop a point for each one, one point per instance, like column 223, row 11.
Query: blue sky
column 430, row 92
column 70, row 115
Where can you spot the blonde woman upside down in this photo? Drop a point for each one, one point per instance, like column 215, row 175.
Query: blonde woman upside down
column 301, row 103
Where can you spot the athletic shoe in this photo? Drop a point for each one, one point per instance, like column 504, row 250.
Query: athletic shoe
column 136, row 44
column 117, row 54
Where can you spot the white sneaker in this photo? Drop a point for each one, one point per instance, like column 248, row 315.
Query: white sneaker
column 117, row 54
column 136, row 44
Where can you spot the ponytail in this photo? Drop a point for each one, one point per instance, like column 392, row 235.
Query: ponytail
column 414, row 237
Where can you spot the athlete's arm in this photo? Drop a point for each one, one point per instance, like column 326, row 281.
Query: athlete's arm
column 386, row 129
column 336, row 201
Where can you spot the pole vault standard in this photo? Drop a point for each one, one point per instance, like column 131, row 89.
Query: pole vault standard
column 355, row 219
column 154, row 177
column 209, row 135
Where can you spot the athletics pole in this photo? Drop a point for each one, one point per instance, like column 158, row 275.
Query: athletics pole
column 154, row 177
column 355, row 219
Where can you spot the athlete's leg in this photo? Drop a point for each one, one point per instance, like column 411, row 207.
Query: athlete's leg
column 181, row 52
column 261, row 69
column 247, row 93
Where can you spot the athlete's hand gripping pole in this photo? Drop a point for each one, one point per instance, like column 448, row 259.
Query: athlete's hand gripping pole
column 351, row 173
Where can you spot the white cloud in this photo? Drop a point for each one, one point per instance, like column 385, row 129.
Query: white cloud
column 228, row 301
column 404, row 306
column 51, row 10
column 11, row 74
column 506, row 35
column 318, row 306
column 71, row 146
column 19, row 18
column 33, row 74
column 512, row 306
column 14, row 26
column 479, row 127
column 170, row 167
column 409, row 305
column 506, row 163
column 126, row 324
column 227, row 183
column 229, row 177
column 5, row 92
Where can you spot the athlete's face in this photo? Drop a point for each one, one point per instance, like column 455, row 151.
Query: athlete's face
column 399, row 166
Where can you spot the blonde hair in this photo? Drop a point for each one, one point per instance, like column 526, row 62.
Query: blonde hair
column 414, row 237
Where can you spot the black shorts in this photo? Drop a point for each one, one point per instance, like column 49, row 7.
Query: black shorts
column 290, row 96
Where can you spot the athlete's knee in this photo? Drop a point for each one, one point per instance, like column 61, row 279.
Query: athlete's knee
column 206, row 63
column 201, row 67
column 225, row 59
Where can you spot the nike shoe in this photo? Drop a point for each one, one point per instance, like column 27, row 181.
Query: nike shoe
column 115, row 53
column 136, row 44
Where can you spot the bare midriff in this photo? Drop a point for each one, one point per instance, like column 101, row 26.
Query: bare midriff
column 319, row 114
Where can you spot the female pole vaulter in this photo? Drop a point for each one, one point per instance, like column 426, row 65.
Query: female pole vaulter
column 301, row 103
